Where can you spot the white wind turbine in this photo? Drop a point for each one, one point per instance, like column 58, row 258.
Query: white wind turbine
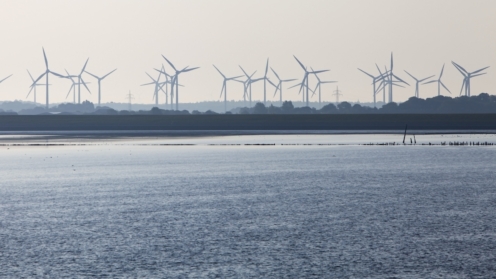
column 45, row 74
column 33, row 88
column 304, row 82
column 417, row 83
column 247, row 84
column 375, row 79
column 279, row 85
column 175, row 79
column 224, row 86
column 99, row 79
column 319, row 83
column 439, row 83
column 467, row 76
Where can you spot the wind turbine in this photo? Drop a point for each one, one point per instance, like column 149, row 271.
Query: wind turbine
column 99, row 80
column 467, row 76
column 265, row 79
column 390, row 79
column 304, row 82
column 319, row 82
column 73, row 87
column 279, row 85
column 375, row 79
column 168, row 80
column 417, row 82
column 46, row 73
column 81, row 81
column 248, row 83
column 175, row 79
column 157, row 84
column 439, row 83
column 224, row 86
column 33, row 88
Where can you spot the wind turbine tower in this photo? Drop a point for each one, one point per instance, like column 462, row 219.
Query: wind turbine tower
column 319, row 83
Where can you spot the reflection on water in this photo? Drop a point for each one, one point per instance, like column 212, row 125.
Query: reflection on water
column 126, row 210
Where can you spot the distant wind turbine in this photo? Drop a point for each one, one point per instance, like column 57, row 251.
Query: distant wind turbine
column 224, row 86
column 175, row 79
column 375, row 79
column 439, row 83
column 99, row 79
column 248, row 83
column 417, row 83
column 319, row 83
column 33, row 88
column 46, row 73
column 157, row 84
column 304, row 82
column 279, row 85
column 467, row 76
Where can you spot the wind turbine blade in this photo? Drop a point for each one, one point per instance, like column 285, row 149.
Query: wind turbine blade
column 478, row 75
column 366, row 73
column 34, row 82
column 5, row 79
column 219, row 71
column 391, row 61
column 266, row 67
column 329, row 81
column 55, row 74
column 275, row 74
column 46, row 60
column 463, row 85
column 271, row 82
column 32, row 79
column 422, row 80
column 287, row 80
column 89, row 74
column 432, row 81
column 243, row 71
column 190, row 69
column 401, row 80
column 70, row 89
column 294, row 86
column 277, row 88
column 84, row 83
column 480, row 70
column 411, row 76
column 222, row 90
column 144, row 84
column 84, row 67
column 441, row 74
column 109, row 73
column 445, row 86
column 150, row 77
column 301, row 64
column 460, row 68
column 169, row 63
column 318, row 72
column 32, row 87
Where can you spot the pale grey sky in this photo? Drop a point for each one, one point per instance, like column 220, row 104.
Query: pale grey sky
column 340, row 35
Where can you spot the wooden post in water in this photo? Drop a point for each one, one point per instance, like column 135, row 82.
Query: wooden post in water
column 404, row 136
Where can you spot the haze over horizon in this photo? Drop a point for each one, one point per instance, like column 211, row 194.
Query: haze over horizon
column 337, row 35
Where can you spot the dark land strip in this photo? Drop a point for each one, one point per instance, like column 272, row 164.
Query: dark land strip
column 261, row 122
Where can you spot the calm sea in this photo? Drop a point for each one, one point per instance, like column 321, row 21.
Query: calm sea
column 145, row 208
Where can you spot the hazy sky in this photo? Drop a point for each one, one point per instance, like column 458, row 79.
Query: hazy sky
column 327, row 34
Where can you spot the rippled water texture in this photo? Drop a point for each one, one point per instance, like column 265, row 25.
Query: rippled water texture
column 248, row 211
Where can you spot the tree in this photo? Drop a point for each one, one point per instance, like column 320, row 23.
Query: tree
column 287, row 107
column 259, row 109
